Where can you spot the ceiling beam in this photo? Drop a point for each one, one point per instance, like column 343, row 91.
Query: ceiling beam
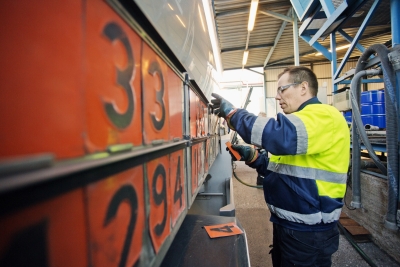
column 301, row 55
column 238, row 68
column 247, row 68
column 278, row 36
column 233, row 12
column 276, row 15
column 242, row 48
column 246, row 10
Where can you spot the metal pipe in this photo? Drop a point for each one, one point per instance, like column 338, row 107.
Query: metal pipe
column 371, row 127
column 295, row 39
column 395, row 21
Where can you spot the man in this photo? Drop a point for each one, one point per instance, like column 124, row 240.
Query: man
column 305, row 178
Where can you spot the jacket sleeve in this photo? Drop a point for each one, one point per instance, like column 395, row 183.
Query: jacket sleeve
column 261, row 164
column 279, row 136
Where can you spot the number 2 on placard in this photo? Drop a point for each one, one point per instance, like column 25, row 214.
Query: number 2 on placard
column 125, row 193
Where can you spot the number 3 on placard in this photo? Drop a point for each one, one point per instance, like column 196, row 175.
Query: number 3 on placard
column 154, row 69
column 121, row 120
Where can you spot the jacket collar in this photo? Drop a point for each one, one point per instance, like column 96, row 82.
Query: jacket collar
column 313, row 100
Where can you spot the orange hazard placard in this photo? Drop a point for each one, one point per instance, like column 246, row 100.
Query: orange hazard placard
column 156, row 117
column 177, row 185
column 196, row 167
column 158, row 178
column 193, row 106
column 50, row 233
column 200, row 119
column 205, row 118
column 41, row 78
column 175, row 94
column 206, row 156
column 113, row 100
column 116, row 218
column 221, row 230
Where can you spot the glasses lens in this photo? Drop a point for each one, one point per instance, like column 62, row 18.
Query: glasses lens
column 284, row 87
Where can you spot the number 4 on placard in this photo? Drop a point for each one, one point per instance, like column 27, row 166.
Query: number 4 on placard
column 220, row 230
column 178, row 186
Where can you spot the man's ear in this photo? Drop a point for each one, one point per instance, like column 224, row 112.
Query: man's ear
column 304, row 87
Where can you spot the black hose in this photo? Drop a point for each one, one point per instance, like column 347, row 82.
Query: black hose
column 359, row 131
column 394, row 58
column 358, row 122
column 391, row 127
column 234, row 174
column 357, row 248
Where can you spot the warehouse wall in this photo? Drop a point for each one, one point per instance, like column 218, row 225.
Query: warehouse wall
column 324, row 75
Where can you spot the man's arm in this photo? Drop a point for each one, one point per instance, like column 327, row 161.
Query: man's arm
column 280, row 136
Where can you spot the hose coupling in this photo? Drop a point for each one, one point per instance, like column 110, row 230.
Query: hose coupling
column 394, row 58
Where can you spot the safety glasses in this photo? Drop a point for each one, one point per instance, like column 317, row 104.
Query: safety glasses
column 284, row 87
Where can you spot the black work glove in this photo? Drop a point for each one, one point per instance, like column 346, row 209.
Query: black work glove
column 221, row 106
column 247, row 153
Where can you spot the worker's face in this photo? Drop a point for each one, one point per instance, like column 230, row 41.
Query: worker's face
column 289, row 98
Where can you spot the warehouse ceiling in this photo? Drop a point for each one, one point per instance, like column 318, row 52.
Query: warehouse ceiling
column 268, row 47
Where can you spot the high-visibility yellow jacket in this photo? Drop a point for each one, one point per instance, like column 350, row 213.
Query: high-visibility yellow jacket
column 305, row 179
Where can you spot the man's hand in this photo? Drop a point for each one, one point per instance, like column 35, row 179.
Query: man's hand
column 247, row 153
column 221, row 106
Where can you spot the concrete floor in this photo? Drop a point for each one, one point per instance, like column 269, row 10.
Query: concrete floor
column 253, row 214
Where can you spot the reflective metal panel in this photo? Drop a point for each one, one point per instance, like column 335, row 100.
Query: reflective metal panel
column 183, row 26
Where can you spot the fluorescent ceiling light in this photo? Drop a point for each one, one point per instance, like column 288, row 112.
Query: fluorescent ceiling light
column 183, row 24
column 245, row 56
column 252, row 16
column 337, row 49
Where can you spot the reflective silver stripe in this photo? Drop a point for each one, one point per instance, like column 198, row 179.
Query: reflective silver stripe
column 257, row 130
column 308, row 173
column 309, row 219
column 302, row 136
column 331, row 217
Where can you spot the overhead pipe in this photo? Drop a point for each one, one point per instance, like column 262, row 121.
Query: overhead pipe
column 391, row 126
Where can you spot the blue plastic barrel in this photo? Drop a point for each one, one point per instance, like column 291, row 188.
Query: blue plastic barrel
column 372, row 109
column 347, row 116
